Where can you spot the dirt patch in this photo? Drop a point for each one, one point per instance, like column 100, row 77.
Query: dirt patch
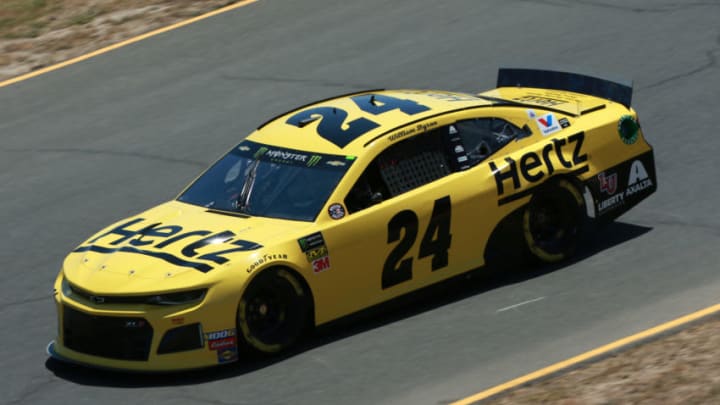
column 39, row 33
column 683, row 368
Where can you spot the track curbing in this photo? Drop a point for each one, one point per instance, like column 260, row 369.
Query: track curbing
column 593, row 355
column 124, row 43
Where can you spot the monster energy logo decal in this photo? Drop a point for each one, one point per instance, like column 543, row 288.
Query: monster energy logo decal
column 292, row 157
column 314, row 159
column 260, row 152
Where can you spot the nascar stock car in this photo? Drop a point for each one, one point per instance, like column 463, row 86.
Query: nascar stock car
column 346, row 203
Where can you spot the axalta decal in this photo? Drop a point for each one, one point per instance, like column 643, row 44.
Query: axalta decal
column 533, row 167
column 615, row 195
column 199, row 249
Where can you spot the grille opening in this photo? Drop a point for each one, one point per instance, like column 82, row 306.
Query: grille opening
column 107, row 336
column 182, row 338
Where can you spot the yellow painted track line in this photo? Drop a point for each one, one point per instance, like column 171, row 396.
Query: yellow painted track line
column 125, row 43
column 682, row 321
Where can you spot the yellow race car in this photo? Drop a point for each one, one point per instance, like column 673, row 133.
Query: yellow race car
column 346, row 203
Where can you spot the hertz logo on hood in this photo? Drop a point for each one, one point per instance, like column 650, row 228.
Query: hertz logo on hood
column 152, row 240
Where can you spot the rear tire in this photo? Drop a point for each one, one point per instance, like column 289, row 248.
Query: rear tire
column 553, row 221
column 273, row 312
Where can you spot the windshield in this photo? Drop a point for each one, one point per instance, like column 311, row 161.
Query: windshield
column 268, row 181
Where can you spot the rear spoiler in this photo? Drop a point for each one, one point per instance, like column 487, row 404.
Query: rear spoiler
column 619, row 92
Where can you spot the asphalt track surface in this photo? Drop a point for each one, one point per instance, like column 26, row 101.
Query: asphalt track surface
column 96, row 141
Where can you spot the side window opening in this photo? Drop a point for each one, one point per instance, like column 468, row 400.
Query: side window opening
column 429, row 156
column 482, row 137
column 369, row 190
column 402, row 167
column 414, row 162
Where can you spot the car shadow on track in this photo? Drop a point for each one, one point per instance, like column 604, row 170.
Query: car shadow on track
column 436, row 296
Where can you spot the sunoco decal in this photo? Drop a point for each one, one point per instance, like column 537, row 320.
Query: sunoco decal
column 200, row 248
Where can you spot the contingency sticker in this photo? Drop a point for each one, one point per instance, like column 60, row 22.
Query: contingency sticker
column 548, row 124
column 315, row 251
column 224, row 342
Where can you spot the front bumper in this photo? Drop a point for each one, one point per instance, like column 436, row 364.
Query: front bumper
column 145, row 338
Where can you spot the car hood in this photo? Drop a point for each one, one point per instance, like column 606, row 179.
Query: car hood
column 173, row 246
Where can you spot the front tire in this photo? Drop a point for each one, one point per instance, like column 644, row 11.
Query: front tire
column 273, row 312
column 553, row 221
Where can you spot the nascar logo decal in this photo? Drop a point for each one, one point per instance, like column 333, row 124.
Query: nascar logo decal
column 157, row 237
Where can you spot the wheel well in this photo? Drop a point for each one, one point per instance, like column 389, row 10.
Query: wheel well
column 501, row 250
column 304, row 284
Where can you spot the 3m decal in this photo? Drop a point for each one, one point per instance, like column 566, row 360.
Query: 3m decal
column 435, row 242
column 608, row 183
column 534, row 166
column 321, row 264
column 628, row 129
column 638, row 179
column 155, row 237
column 332, row 125
column 548, row 124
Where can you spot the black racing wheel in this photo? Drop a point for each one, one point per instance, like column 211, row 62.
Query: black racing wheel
column 273, row 312
column 553, row 221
